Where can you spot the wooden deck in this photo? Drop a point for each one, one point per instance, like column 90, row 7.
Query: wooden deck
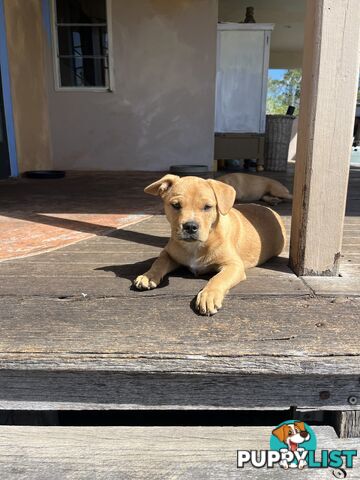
column 156, row 453
column 75, row 335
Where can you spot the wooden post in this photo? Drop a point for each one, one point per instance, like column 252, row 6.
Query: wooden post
column 347, row 424
column 326, row 120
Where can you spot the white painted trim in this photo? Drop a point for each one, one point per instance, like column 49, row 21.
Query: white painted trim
column 245, row 26
column 54, row 44
column 55, row 54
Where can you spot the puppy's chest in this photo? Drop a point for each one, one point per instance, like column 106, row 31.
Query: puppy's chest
column 196, row 261
column 197, row 266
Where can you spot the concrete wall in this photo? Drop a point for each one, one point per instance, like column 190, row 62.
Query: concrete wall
column 287, row 39
column 162, row 110
column 25, row 39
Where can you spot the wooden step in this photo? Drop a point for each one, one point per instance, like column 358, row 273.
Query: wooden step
column 119, row 453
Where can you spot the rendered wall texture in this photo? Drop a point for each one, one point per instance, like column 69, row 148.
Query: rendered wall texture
column 161, row 111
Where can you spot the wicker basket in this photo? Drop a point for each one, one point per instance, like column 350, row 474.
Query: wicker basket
column 277, row 140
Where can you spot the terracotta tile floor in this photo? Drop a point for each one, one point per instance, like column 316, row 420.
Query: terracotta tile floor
column 42, row 215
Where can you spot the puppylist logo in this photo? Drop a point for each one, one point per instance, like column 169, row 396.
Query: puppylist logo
column 293, row 445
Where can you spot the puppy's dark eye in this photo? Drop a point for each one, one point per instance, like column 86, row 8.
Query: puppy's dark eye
column 207, row 207
column 177, row 206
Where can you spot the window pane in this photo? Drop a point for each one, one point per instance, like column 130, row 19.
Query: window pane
column 81, row 11
column 83, row 72
column 82, row 40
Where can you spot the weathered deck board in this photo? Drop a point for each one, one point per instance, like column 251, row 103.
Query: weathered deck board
column 154, row 352
column 334, row 285
column 112, row 285
column 68, row 266
column 106, row 266
column 138, row 325
column 138, row 453
column 107, row 390
column 291, row 366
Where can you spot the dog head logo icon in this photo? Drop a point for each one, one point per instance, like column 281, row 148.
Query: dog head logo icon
column 292, row 434
column 293, row 438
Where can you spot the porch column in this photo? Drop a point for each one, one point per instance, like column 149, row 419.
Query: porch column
column 326, row 119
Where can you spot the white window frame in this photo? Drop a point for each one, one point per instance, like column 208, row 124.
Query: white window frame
column 55, row 53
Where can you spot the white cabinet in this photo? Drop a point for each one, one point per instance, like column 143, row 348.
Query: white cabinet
column 241, row 77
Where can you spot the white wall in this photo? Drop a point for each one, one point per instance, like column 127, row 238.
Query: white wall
column 162, row 110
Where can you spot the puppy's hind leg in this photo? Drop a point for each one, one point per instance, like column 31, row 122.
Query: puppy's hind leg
column 279, row 190
column 287, row 196
column 271, row 200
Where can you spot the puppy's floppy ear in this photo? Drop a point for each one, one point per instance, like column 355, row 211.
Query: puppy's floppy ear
column 160, row 187
column 225, row 195
column 279, row 432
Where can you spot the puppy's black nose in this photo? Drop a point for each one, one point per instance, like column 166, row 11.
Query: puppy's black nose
column 190, row 227
column 304, row 434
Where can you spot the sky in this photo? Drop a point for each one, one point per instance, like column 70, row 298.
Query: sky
column 276, row 74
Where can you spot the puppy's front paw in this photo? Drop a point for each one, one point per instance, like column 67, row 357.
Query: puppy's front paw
column 209, row 301
column 143, row 282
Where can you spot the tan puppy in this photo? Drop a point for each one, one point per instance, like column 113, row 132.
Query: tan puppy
column 207, row 234
column 251, row 188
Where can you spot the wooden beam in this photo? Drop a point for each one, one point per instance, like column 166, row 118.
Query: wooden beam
column 328, row 98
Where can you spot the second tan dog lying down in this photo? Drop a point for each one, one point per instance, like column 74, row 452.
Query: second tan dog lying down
column 251, row 188
column 207, row 234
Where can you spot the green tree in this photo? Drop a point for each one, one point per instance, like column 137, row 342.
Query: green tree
column 284, row 92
